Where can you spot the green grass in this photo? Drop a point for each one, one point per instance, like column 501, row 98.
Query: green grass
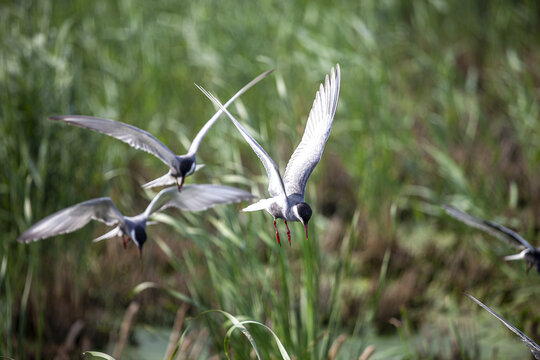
column 439, row 103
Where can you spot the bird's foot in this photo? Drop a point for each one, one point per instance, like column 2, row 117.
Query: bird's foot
column 277, row 233
column 288, row 232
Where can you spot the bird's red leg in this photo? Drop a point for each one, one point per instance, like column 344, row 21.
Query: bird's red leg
column 277, row 233
column 181, row 183
column 125, row 240
column 288, row 232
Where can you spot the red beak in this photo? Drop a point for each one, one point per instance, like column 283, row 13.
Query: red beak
column 305, row 229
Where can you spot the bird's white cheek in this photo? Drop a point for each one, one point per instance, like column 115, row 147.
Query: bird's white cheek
column 132, row 236
column 192, row 169
column 295, row 211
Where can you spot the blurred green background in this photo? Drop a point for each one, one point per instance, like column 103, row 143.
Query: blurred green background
column 439, row 103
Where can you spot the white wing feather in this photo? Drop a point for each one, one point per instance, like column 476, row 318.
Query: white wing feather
column 114, row 232
column 319, row 124
column 198, row 139
column 275, row 183
column 164, row 180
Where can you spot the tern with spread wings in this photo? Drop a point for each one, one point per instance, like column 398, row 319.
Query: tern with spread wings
column 197, row 197
column 181, row 166
column 533, row 347
column 287, row 193
column 530, row 254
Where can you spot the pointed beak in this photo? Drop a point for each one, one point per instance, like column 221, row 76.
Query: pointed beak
column 140, row 252
column 305, row 229
column 181, row 183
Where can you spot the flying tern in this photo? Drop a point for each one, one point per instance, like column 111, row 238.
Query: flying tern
column 535, row 349
column 530, row 254
column 287, row 193
column 197, row 197
column 180, row 165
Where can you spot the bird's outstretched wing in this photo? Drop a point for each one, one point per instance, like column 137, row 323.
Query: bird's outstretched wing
column 135, row 137
column 200, row 135
column 500, row 232
column 535, row 349
column 319, row 124
column 74, row 218
column 275, row 183
column 196, row 197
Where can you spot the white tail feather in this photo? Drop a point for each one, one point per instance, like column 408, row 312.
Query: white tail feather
column 114, row 232
column 164, row 180
column 519, row 256
column 259, row 205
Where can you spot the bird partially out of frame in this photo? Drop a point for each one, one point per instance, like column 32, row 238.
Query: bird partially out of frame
column 527, row 252
column 535, row 349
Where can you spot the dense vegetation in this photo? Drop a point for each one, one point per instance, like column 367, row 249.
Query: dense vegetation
column 439, row 103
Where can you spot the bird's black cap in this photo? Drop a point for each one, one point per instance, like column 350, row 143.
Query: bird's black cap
column 140, row 236
column 304, row 211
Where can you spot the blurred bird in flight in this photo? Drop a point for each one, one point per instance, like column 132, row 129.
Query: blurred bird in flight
column 181, row 166
column 192, row 198
column 527, row 252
